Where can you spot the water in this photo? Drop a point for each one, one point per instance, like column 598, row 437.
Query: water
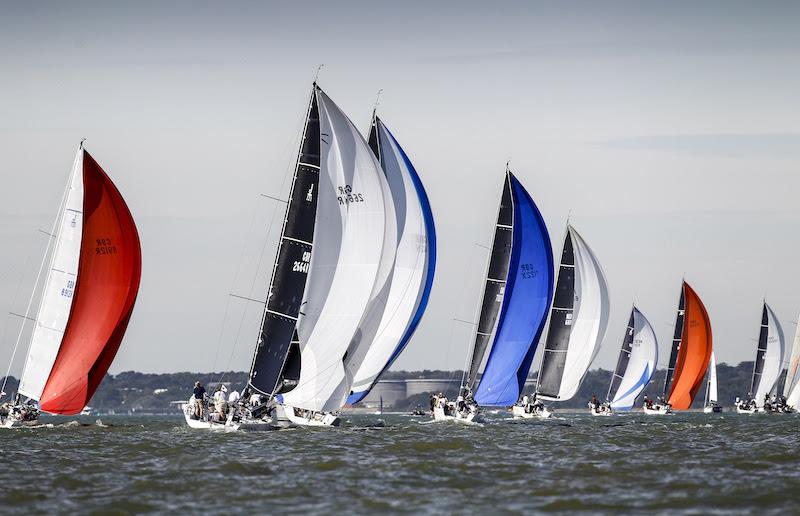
column 686, row 463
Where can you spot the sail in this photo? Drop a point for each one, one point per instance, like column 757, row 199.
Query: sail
column 691, row 351
column 711, row 385
column 526, row 299
column 354, row 237
column 769, row 356
column 636, row 364
column 578, row 320
column 276, row 360
column 791, row 389
column 88, row 296
column 495, row 284
column 415, row 262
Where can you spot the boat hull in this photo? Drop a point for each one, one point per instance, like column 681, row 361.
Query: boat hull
column 459, row 417
column 715, row 409
column 658, row 410
column 286, row 414
column 518, row 411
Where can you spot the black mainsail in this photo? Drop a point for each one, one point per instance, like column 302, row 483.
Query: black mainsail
column 676, row 344
column 761, row 352
column 276, row 362
column 622, row 361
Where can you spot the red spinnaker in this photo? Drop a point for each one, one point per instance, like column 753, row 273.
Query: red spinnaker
column 109, row 270
column 694, row 353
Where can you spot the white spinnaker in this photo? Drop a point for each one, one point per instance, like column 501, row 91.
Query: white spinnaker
column 590, row 316
column 410, row 265
column 712, row 380
column 58, row 290
column 773, row 357
column 349, row 239
column 641, row 363
column 791, row 388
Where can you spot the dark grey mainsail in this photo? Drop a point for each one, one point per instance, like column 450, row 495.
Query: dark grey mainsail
column 496, row 276
column 622, row 361
column 676, row 344
column 276, row 362
column 761, row 352
column 555, row 350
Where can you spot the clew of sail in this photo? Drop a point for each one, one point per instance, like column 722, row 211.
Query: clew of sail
column 353, row 243
column 578, row 320
column 88, row 296
column 414, row 265
column 636, row 364
column 526, row 297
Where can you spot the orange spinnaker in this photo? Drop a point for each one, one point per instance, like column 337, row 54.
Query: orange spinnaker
column 694, row 353
column 109, row 270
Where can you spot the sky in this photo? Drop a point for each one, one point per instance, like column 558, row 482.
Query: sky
column 669, row 133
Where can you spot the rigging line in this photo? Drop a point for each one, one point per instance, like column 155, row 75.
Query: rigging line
column 290, row 169
column 5, row 327
column 59, row 218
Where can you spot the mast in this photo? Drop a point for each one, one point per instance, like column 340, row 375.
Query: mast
column 276, row 359
column 676, row 343
column 496, row 275
column 622, row 361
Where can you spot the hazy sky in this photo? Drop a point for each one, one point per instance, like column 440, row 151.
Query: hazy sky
column 670, row 129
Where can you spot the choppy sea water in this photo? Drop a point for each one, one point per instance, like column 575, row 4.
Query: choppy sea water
column 685, row 463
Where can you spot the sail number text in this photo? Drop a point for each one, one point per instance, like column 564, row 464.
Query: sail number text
column 69, row 289
column 302, row 265
column 105, row 246
column 528, row 271
column 346, row 195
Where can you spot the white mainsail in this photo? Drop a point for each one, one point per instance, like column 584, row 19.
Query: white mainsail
column 350, row 261
column 773, row 357
column 410, row 266
column 711, row 388
column 641, row 363
column 58, row 290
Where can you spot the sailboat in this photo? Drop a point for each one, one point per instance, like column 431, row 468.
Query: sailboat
column 711, row 404
column 89, row 291
column 578, row 321
column 767, row 365
column 636, row 364
column 791, row 386
column 690, row 355
column 517, row 291
column 330, row 283
column 412, row 275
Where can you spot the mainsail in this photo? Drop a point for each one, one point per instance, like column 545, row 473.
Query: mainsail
column 517, row 293
column 691, row 350
column 769, row 356
column 415, row 261
column 88, row 294
column 636, row 364
column 578, row 320
column 354, row 247
column 711, row 383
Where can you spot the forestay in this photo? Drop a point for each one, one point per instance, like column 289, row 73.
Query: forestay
column 351, row 262
column 578, row 320
column 411, row 278
column 636, row 364
column 525, row 301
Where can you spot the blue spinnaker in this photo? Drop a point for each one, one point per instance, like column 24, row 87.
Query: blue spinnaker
column 528, row 292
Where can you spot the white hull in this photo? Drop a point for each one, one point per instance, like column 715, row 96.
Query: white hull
column 743, row 410
column 205, row 423
column 518, row 411
column 306, row 418
column 715, row 409
column 657, row 410
column 459, row 417
column 15, row 423
column 600, row 412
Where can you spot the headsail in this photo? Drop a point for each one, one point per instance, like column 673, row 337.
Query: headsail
column 578, row 320
column 691, row 350
column 791, row 387
column 636, row 364
column 769, row 356
column 525, row 286
column 354, row 238
column 88, row 295
column 415, row 262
